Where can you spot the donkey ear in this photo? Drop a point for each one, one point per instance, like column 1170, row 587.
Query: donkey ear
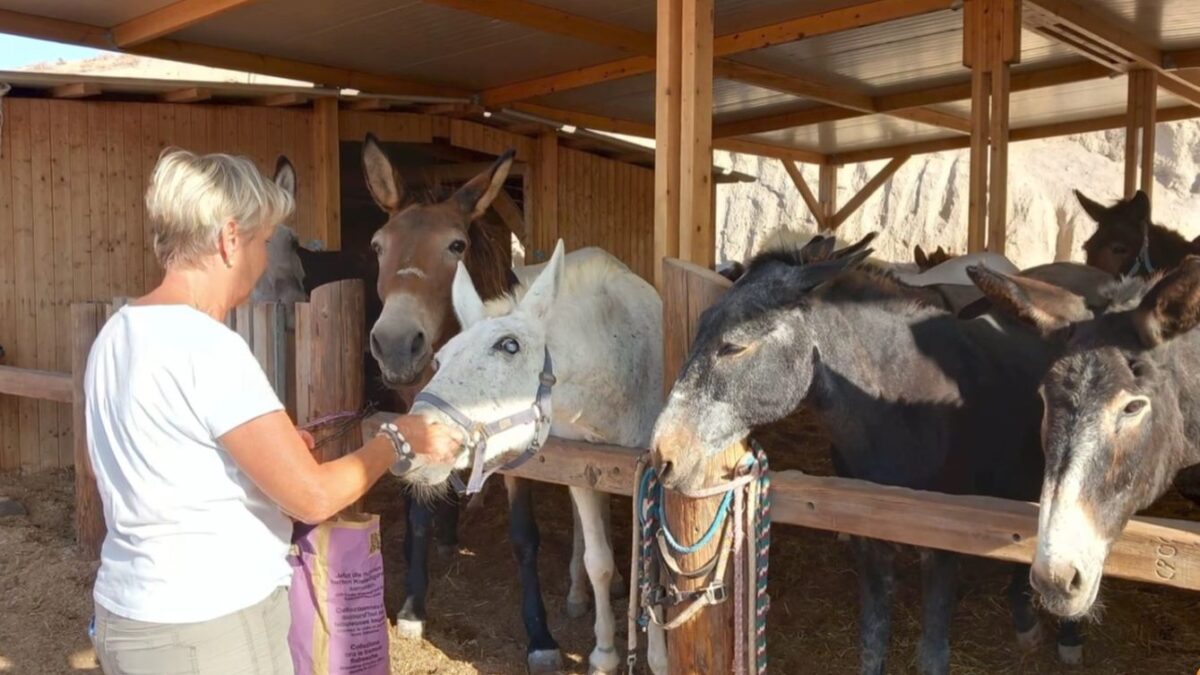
column 544, row 289
column 855, row 248
column 386, row 188
column 919, row 257
column 1046, row 307
column 941, row 252
column 285, row 175
column 468, row 306
column 1093, row 209
column 1172, row 307
column 817, row 273
column 1140, row 203
column 477, row 195
column 817, row 249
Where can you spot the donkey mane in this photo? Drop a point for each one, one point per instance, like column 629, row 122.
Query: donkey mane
column 591, row 268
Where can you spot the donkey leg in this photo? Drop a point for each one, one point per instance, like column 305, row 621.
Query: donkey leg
column 410, row 622
column 1020, row 602
column 577, row 595
column 543, row 655
column 877, row 581
column 446, row 528
column 618, row 588
column 598, row 559
column 939, row 576
column 1070, row 642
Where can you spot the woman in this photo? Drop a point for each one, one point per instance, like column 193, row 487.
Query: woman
column 196, row 460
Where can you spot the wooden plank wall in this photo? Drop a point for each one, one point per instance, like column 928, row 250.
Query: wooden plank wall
column 72, row 226
column 610, row 204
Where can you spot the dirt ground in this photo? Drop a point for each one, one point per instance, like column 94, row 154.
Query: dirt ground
column 476, row 627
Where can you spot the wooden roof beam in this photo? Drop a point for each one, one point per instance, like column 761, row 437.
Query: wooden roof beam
column 170, row 19
column 76, row 90
column 1103, row 41
column 823, row 23
column 912, row 104
column 72, row 32
column 283, row 100
column 1030, row 133
column 189, row 95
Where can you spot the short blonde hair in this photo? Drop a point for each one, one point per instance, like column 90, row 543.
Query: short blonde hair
column 191, row 197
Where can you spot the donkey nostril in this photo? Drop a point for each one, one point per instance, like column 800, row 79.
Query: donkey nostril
column 1076, row 582
column 665, row 470
column 418, row 344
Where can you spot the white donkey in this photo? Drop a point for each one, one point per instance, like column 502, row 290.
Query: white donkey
column 596, row 327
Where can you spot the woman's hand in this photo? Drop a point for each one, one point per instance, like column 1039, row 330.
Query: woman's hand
column 309, row 441
column 436, row 443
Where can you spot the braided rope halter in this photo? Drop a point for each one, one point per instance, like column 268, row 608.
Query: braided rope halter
column 655, row 548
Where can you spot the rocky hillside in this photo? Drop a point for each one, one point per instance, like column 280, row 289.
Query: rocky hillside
column 926, row 201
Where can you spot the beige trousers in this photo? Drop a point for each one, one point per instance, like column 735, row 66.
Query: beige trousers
column 252, row 641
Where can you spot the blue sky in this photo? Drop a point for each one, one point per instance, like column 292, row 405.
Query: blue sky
column 18, row 51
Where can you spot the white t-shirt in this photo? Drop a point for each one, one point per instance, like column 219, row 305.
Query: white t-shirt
column 190, row 537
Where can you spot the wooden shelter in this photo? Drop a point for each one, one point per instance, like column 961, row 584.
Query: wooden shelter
column 826, row 82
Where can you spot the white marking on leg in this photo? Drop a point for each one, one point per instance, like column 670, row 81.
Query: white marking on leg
column 598, row 560
column 577, row 594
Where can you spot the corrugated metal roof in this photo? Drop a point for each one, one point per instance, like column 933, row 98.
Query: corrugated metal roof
column 411, row 39
column 869, row 131
column 1170, row 24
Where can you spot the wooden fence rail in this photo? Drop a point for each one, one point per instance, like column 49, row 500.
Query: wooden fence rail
column 1155, row 550
column 44, row 385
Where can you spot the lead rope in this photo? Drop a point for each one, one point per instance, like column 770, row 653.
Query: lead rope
column 747, row 496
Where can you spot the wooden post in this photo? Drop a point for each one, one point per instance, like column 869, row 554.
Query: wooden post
column 330, row 339
column 704, row 644
column 327, row 176
column 544, row 214
column 975, row 55
column 867, row 190
column 1131, row 131
column 1005, row 37
column 827, row 184
column 666, row 134
column 86, row 321
column 697, row 241
column 1148, row 107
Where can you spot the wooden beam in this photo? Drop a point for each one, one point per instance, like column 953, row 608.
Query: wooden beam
column 327, row 172
column 867, row 190
column 188, row 95
column 806, row 193
column 934, row 118
column 768, row 150
column 76, row 90
column 43, row 385
column 1147, row 107
column 805, row 87
column 170, row 19
column 369, row 104
column 697, row 239
column 811, row 25
column 827, row 186
column 1004, row 38
column 55, row 30
column 283, row 100
column 903, row 104
column 667, row 148
column 975, row 52
column 545, row 198
column 512, row 217
column 1053, row 130
column 558, row 22
column 587, row 120
column 86, row 321
column 1151, row 550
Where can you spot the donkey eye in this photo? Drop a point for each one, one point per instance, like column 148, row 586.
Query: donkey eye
column 376, row 248
column 507, row 345
column 729, row 349
column 458, row 246
column 1135, row 406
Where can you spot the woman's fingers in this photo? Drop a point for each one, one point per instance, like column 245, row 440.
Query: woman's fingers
column 436, row 442
column 309, row 441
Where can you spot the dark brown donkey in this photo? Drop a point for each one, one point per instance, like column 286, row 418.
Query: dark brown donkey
column 419, row 248
column 1126, row 243
column 1121, row 417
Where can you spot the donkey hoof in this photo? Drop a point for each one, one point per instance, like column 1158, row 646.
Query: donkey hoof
column 1029, row 640
column 604, row 661
column 545, row 661
column 577, row 609
column 1071, row 655
column 410, row 629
